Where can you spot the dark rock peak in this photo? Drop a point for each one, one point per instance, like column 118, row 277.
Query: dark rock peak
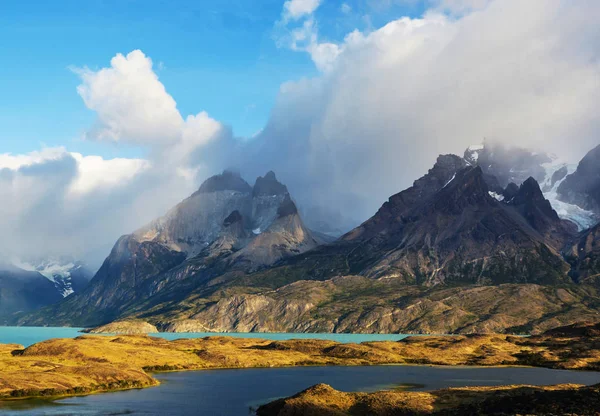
column 512, row 189
column 493, row 184
column 269, row 185
column 398, row 205
column 233, row 218
column 442, row 172
column 590, row 164
column 467, row 188
column 534, row 207
column 440, row 175
column 531, row 195
column 287, row 207
column 226, row 181
column 529, row 191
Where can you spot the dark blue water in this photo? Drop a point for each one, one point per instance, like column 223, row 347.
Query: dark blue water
column 234, row 392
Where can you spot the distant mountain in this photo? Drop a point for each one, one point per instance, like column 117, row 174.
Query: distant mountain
column 68, row 275
column 24, row 287
column 23, row 291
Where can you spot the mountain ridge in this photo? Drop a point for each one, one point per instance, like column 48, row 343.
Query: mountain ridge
column 435, row 257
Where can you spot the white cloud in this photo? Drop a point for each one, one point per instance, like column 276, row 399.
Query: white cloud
column 94, row 172
column 345, row 8
column 130, row 102
column 133, row 106
column 295, row 9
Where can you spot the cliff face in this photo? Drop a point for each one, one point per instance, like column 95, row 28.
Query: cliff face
column 584, row 256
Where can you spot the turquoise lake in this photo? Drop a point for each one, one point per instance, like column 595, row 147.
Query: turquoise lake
column 30, row 335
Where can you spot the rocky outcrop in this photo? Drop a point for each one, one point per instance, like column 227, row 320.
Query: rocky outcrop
column 131, row 327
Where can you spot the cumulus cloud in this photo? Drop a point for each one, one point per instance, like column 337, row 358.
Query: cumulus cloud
column 133, row 106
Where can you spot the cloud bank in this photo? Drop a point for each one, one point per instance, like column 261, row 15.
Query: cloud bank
column 386, row 103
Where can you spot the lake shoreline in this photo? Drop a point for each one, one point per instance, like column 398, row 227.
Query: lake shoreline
column 92, row 364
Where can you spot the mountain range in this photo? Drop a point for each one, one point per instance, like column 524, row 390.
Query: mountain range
column 497, row 239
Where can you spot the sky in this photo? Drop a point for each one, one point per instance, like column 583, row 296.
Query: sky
column 218, row 56
column 111, row 112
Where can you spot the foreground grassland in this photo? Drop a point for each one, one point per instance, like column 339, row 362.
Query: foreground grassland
column 94, row 363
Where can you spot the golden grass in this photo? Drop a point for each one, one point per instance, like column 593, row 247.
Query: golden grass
column 93, row 363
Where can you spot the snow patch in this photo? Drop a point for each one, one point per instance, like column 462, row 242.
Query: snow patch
column 474, row 150
column 54, row 271
column 582, row 218
column 497, row 196
column 451, row 179
column 257, row 231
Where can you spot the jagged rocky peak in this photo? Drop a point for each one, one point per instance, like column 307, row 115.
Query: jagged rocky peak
column 269, row 185
column 198, row 220
column 226, row 181
column 268, row 197
column 530, row 191
column 468, row 188
column 511, row 190
column 461, row 233
column 582, row 188
column 531, row 203
column 444, row 170
column 440, row 175
column 392, row 211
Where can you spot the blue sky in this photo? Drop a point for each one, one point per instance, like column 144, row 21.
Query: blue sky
column 217, row 56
